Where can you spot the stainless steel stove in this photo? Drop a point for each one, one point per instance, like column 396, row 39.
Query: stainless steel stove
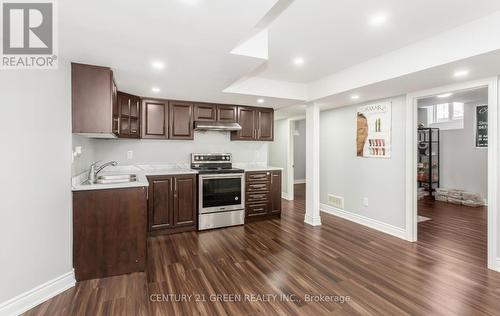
column 221, row 201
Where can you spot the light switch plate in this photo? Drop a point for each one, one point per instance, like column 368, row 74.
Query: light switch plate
column 130, row 155
column 365, row 201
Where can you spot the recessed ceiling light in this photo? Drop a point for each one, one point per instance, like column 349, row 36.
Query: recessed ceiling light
column 260, row 101
column 461, row 73
column 155, row 89
column 378, row 19
column 298, row 61
column 158, row 65
column 445, row 95
column 354, row 96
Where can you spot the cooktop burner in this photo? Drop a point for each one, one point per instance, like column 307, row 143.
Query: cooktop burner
column 213, row 163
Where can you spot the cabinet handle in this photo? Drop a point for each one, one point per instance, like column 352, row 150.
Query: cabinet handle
column 171, row 186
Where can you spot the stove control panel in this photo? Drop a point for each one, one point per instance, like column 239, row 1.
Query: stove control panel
column 211, row 158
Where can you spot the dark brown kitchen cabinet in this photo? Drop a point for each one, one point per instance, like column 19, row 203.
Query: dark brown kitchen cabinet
column 246, row 118
column 109, row 232
column 181, row 120
column 256, row 124
column 262, row 194
column 155, row 119
column 275, row 193
column 93, row 94
column 172, row 204
column 205, row 112
column 129, row 115
column 265, row 124
column 227, row 113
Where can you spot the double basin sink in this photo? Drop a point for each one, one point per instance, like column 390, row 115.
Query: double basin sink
column 118, row 178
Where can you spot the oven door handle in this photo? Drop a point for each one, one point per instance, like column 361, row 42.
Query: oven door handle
column 222, row 176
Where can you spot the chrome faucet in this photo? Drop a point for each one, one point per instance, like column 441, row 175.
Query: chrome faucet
column 93, row 171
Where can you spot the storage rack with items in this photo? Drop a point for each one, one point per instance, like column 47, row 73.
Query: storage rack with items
column 428, row 160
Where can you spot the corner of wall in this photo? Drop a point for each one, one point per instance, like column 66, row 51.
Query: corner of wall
column 38, row 295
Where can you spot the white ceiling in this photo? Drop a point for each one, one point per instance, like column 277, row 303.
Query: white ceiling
column 334, row 35
column 195, row 39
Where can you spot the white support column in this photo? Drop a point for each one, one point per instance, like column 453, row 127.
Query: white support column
column 312, row 165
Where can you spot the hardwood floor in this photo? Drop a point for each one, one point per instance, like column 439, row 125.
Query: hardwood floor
column 381, row 274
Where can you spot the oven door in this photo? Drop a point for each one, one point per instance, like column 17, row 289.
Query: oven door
column 221, row 192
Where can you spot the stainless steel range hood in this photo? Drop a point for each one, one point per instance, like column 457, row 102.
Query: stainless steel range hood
column 216, row 126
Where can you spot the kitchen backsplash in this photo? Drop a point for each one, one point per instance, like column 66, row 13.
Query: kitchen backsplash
column 166, row 151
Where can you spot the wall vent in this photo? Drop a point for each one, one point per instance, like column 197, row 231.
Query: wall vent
column 336, row 201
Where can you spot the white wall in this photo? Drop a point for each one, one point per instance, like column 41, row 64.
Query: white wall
column 279, row 152
column 82, row 163
column 463, row 166
column 382, row 181
column 35, row 217
column 299, row 150
column 178, row 151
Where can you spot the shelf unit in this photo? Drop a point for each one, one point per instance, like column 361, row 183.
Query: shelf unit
column 428, row 159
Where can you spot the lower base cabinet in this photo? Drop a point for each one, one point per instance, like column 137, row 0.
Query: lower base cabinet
column 262, row 194
column 172, row 204
column 109, row 232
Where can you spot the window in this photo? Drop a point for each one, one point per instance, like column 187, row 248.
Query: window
column 458, row 110
column 442, row 112
column 446, row 115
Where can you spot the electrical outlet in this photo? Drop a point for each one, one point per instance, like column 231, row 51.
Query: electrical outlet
column 336, row 201
column 130, row 155
column 365, row 201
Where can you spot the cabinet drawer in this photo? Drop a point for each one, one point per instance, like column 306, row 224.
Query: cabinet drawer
column 258, row 176
column 257, row 197
column 261, row 186
column 257, row 209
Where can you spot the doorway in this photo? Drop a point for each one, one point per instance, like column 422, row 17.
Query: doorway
column 447, row 131
column 299, row 159
column 452, row 172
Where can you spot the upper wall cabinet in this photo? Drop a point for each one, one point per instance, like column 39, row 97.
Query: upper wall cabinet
column 205, row 112
column 129, row 115
column 93, row 100
column 181, row 120
column 155, row 119
column 227, row 113
column 256, row 124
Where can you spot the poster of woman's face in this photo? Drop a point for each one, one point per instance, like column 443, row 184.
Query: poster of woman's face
column 373, row 130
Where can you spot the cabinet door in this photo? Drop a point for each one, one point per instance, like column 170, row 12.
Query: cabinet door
column 109, row 232
column 275, row 192
column 91, row 99
column 185, row 200
column 161, row 203
column 205, row 112
column 129, row 115
column 155, row 119
column 227, row 113
column 116, row 112
column 181, row 120
column 265, row 124
column 246, row 118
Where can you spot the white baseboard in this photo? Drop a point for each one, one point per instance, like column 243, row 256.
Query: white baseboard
column 365, row 221
column 299, row 181
column 37, row 295
column 286, row 196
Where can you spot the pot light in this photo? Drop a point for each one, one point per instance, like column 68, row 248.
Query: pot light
column 461, row 73
column 260, row 101
column 298, row 61
column 158, row 65
column 354, row 97
column 155, row 89
column 378, row 19
column 445, row 95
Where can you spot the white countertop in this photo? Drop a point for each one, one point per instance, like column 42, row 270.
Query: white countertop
column 142, row 171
